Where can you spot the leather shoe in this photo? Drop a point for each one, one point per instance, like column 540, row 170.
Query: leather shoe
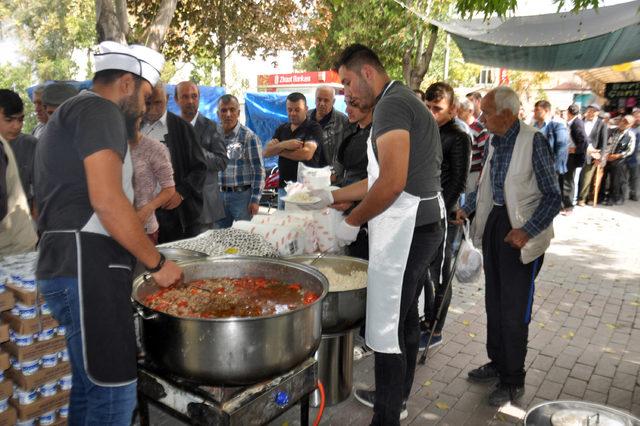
column 505, row 393
column 483, row 374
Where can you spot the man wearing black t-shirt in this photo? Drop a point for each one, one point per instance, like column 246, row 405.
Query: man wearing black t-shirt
column 294, row 142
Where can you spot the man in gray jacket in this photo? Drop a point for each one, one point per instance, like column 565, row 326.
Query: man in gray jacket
column 333, row 123
column 210, row 137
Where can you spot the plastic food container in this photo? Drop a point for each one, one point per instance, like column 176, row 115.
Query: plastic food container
column 49, row 389
column 47, row 334
column 61, row 330
column 23, row 339
column 64, row 355
column 30, row 367
column 26, row 311
column 47, row 418
column 50, row 360
column 29, row 285
column 44, row 309
column 26, row 397
column 29, row 422
column 64, row 411
column 4, row 404
column 65, row 382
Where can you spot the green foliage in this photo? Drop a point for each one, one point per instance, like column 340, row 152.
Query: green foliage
column 50, row 31
column 18, row 78
column 202, row 72
column 469, row 8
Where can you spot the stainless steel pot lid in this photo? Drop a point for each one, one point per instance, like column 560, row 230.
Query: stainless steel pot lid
column 577, row 413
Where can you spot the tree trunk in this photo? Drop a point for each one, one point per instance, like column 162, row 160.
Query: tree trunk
column 222, row 57
column 111, row 20
column 414, row 75
column 154, row 35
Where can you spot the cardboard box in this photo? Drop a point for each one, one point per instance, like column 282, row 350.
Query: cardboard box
column 4, row 332
column 4, row 361
column 36, row 350
column 6, row 388
column 23, row 296
column 28, row 326
column 60, row 421
column 7, row 301
column 9, row 417
column 40, row 377
column 41, row 405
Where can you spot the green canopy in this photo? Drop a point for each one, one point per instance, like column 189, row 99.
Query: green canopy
column 553, row 42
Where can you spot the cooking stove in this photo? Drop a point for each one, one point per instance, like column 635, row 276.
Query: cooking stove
column 199, row 404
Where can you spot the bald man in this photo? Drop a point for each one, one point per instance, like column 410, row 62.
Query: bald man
column 333, row 125
column 211, row 139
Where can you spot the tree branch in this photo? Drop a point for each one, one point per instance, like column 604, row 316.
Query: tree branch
column 154, row 35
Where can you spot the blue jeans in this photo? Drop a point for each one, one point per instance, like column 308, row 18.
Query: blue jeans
column 236, row 207
column 90, row 404
column 281, row 193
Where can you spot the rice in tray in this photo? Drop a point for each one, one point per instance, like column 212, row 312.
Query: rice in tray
column 344, row 282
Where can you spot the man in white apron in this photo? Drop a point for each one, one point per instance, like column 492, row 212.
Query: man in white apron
column 401, row 201
column 91, row 233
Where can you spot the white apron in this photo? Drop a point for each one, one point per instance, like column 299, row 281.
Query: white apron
column 390, row 236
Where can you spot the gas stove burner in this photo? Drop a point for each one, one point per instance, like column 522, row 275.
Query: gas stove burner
column 200, row 404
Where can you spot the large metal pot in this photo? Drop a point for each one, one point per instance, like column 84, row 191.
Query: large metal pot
column 341, row 310
column 562, row 413
column 234, row 351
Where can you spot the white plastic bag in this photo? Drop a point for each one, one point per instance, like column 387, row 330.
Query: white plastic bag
column 314, row 177
column 469, row 258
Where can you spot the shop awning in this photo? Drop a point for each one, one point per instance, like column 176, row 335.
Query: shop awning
column 552, row 42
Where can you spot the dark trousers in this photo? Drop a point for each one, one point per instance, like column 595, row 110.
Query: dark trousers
column 394, row 372
column 436, row 292
column 508, row 298
column 632, row 180
column 617, row 179
column 567, row 185
column 171, row 227
column 586, row 179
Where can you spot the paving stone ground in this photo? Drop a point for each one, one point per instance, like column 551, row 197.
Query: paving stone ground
column 584, row 337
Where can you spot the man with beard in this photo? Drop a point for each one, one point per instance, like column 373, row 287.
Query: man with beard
column 401, row 201
column 91, row 234
column 211, row 140
column 333, row 125
column 180, row 217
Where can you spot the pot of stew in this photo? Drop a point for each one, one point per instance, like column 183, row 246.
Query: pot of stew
column 234, row 320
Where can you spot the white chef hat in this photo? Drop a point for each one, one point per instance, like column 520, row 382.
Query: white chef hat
column 136, row 59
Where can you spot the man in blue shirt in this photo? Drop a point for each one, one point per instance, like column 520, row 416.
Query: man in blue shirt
column 515, row 203
column 556, row 133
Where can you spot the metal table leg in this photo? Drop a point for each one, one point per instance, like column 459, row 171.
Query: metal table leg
column 304, row 410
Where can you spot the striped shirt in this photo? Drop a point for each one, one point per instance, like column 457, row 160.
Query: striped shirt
column 543, row 168
column 480, row 135
column 245, row 166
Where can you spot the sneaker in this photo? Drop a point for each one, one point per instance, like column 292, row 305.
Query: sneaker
column 505, row 393
column 368, row 398
column 581, row 203
column 361, row 351
column 436, row 340
column 483, row 374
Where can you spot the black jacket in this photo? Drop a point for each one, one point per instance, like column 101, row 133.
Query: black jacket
column 456, row 151
column 579, row 138
column 352, row 155
column 189, row 167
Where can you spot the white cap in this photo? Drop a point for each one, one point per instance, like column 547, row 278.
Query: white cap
column 136, row 59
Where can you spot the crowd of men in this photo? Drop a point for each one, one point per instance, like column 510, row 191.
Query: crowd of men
column 109, row 172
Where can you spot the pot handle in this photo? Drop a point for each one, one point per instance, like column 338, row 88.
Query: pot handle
column 144, row 316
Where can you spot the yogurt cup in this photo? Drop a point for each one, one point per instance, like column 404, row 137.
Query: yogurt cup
column 46, row 334
column 1, row 376
column 30, row 367
column 44, row 309
column 64, row 355
column 61, row 330
column 23, row 339
column 29, row 422
column 15, row 363
column 29, row 285
column 26, row 397
column 50, row 360
column 65, row 382
column 47, row 418
column 26, row 311
column 64, row 411
column 4, row 405
column 49, row 389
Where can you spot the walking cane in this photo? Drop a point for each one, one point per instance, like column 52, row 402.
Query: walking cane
column 423, row 357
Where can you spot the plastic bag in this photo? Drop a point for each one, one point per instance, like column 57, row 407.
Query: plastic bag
column 314, row 177
column 469, row 262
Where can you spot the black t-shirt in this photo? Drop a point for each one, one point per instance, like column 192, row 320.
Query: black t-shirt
column 307, row 131
column 352, row 154
column 82, row 126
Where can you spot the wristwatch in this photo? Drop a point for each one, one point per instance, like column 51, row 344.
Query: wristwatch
column 159, row 265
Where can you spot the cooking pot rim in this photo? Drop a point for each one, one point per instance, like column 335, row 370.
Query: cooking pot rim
column 138, row 281
column 586, row 405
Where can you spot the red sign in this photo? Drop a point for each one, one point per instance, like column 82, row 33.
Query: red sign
column 298, row 78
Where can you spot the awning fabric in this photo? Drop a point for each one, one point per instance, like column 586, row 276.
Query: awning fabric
column 598, row 78
column 552, row 42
